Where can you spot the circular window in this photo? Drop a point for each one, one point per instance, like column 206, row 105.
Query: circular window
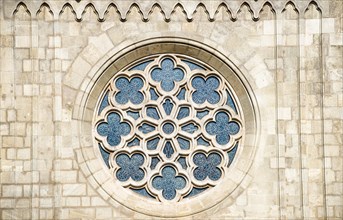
column 168, row 127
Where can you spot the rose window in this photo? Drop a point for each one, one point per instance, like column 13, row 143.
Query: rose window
column 168, row 127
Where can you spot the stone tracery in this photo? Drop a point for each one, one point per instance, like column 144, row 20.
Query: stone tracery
column 167, row 128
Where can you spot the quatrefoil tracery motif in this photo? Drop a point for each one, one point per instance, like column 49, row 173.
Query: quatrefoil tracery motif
column 174, row 123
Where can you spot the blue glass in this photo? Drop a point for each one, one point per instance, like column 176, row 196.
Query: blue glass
column 168, row 150
column 134, row 115
column 207, row 166
column 105, row 155
column 192, row 65
column 195, row 191
column 154, row 162
column 141, row 66
column 182, row 162
column 163, row 150
column 205, row 90
column 184, row 144
column 183, row 113
column 152, row 144
column 113, row 129
column 152, row 113
column 146, row 128
column 168, row 128
column 168, row 183
column 167, row 75
column 230, row 102
column 130, row 167
column 104, row 103
column 232, row 154
column 203, row 142
column 153, row 94
column 222, row 128
column 134, row 142
column 168, row 106
column 182, row 94
column 201, row 114
column 129, row 90
column 190, row 128
column 142, row 192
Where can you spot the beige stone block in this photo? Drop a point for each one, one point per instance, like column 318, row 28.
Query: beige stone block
column 85, row 201
column 72, row 201
column 92, row 54
column 242, row 200
column 80, row 213
column 103, row 43
column 27, row 65
column 12, row 191
column 328, row 25
column 22, row 41
column 11, row 153
column 263, row 77
column 55, row 42
column 24, row 154
column 45, row 90
column 96, row 201
column 4, row 129
column 268, row 41
column 269, row 27
column 292, row 40
column 285, row 113
column 74, row 189
column 23, row 203
column 336, row 39
column 27, row 89
column 66, row 176
column 65, row 65
column 46, row 213
column 61, row 53
column 103, row 213
column 7, row 203
column 6, row 61
column 45, row 202
column 312, row 26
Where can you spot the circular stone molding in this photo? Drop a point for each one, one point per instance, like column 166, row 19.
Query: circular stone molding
column 173, row 129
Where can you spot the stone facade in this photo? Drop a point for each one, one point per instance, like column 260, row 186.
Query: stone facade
column 288, row 55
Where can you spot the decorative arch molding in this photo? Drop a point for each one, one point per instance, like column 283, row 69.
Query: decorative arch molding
column 84, row 103
column 167, row 8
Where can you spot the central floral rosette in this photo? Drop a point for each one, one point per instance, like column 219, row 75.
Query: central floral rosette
column 168, row 127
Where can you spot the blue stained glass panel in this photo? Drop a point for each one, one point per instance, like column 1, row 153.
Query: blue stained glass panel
column 195, row 191
column 152, row 144
column 168, row 106
column 105, row 155
column 167, row 75
column 183, row 113
column 230, row 102
column 168, row 150
column 153, row 94
column 192, row 65
column 169, row 182
column 184, row 144
column 104, row 103
column 152, row 113
column 142, row 192
column 141, row 66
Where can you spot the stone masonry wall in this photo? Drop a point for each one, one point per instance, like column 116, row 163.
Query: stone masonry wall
column 290, row 53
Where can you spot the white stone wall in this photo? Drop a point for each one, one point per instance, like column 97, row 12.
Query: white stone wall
column 289, row 52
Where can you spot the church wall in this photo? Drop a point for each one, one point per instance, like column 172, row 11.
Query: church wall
column 289, row 53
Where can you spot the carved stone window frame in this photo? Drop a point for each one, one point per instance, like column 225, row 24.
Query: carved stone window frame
column 90, row 159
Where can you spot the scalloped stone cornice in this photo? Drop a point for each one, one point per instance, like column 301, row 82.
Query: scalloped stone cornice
column 166, row 8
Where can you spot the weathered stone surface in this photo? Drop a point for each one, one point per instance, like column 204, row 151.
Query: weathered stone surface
column 53, row 53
